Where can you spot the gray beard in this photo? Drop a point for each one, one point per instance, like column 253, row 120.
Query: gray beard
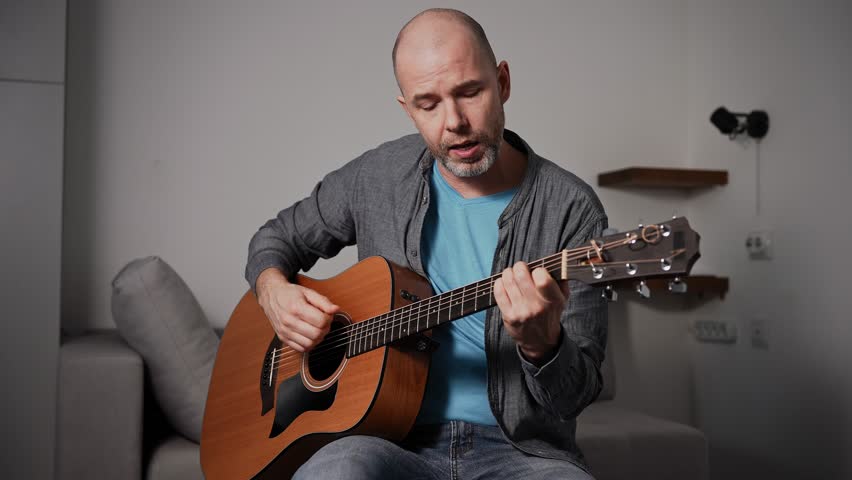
column 475, row 169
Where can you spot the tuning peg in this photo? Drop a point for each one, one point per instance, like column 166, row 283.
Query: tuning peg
column 609, row 294
column 677, row 285
column 643, row 290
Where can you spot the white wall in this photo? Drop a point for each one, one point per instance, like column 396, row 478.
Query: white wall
column 782, row 412
column 191, row 123
column 32, row 53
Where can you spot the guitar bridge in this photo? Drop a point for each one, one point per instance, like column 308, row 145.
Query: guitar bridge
column 268, row 375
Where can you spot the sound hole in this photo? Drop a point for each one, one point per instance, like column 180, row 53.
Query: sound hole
column 324, row 359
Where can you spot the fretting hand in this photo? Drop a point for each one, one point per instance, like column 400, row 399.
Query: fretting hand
column 531, row 305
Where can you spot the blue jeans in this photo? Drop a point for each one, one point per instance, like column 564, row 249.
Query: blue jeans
column 454, row 450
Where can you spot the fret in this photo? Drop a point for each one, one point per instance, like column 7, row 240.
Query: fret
column 459, row 301
column 373, row 332
column 469, row 306
column 385, row 324
column 366, row 324
column 397, row 323
column 385, row 331
column 431, row 315
column 398, row 326
column 419, row 306
column 404, row 325
column 475, row 299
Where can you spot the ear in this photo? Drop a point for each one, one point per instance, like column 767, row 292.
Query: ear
column 504, row 81
column 404, row 106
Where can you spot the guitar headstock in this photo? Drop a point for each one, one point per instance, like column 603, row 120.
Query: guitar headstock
column 664, row 249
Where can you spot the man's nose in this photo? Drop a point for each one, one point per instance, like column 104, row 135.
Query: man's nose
column 456, row 120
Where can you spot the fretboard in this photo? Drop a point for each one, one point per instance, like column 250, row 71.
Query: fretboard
column 428, row 313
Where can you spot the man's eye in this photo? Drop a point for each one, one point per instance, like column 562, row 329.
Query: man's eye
column 470, row 93
column 428, row 107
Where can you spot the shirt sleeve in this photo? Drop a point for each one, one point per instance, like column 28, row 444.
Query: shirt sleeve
column 571, row 379
column 318, row 226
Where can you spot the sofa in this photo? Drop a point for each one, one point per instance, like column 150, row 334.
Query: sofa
column 110, row 427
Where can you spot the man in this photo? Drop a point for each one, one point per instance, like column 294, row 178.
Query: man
column 506, row 385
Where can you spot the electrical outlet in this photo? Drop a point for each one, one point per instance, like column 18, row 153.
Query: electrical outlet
column 759, row 245
column 714, row 331
column 759, row 332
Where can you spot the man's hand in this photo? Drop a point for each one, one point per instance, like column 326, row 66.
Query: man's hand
column 301, row 317
column 531, row 305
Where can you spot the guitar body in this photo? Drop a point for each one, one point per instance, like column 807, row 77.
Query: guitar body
column 268, row 410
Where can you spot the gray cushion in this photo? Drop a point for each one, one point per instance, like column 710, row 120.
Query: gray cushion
column 160, row 318
column 175, row 459
column 621, row 443
column 99, row 413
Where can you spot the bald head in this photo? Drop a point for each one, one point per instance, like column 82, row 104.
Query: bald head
column 432, row 27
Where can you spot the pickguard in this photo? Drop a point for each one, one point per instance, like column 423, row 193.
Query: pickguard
column 294, row 399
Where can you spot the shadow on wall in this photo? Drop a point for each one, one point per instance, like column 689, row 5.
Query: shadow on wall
column 807, row 400
column 818, row 419
column 81, row 128
column 648, row 343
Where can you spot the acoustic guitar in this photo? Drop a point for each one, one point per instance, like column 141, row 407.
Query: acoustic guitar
column 269, row 408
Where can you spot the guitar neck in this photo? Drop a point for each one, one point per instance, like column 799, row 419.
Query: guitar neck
column 428, row 313
column 664, row 249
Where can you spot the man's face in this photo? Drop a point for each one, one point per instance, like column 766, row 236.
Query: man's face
column 455, row 97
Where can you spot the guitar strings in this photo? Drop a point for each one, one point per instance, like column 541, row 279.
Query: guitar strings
column 371, row 326
column 360, row 329
column 326, row 351
column 433, row 298
column 367, row 329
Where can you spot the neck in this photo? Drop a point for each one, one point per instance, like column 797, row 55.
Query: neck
column 428, row 313
column 507, row 172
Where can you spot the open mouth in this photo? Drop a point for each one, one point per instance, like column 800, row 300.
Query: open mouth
column 467, row 151
column 464, row 146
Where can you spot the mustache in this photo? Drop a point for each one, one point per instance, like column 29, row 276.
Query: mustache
column 480, row 138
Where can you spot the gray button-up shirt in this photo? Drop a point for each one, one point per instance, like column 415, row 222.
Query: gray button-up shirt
column 379, row 201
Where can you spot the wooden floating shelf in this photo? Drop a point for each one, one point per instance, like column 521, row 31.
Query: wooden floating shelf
column 647, row 177
column 701, row 286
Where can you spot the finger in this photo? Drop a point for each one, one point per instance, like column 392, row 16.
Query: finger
column 500, row 296
column 312, row 315
column 525, row 282
column 310, row 332
column 321, row 302
column 289, row 343
column 297, row 342
column 547, row 286
column 511, row 287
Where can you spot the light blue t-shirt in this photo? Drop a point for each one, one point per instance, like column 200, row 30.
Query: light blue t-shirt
column 458, row 244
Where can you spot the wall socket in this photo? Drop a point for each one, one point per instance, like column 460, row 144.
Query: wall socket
column 759, row 245
column 714, row 331
column 759, row 333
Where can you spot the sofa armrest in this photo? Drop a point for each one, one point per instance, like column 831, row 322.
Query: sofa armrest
column 100, row 410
